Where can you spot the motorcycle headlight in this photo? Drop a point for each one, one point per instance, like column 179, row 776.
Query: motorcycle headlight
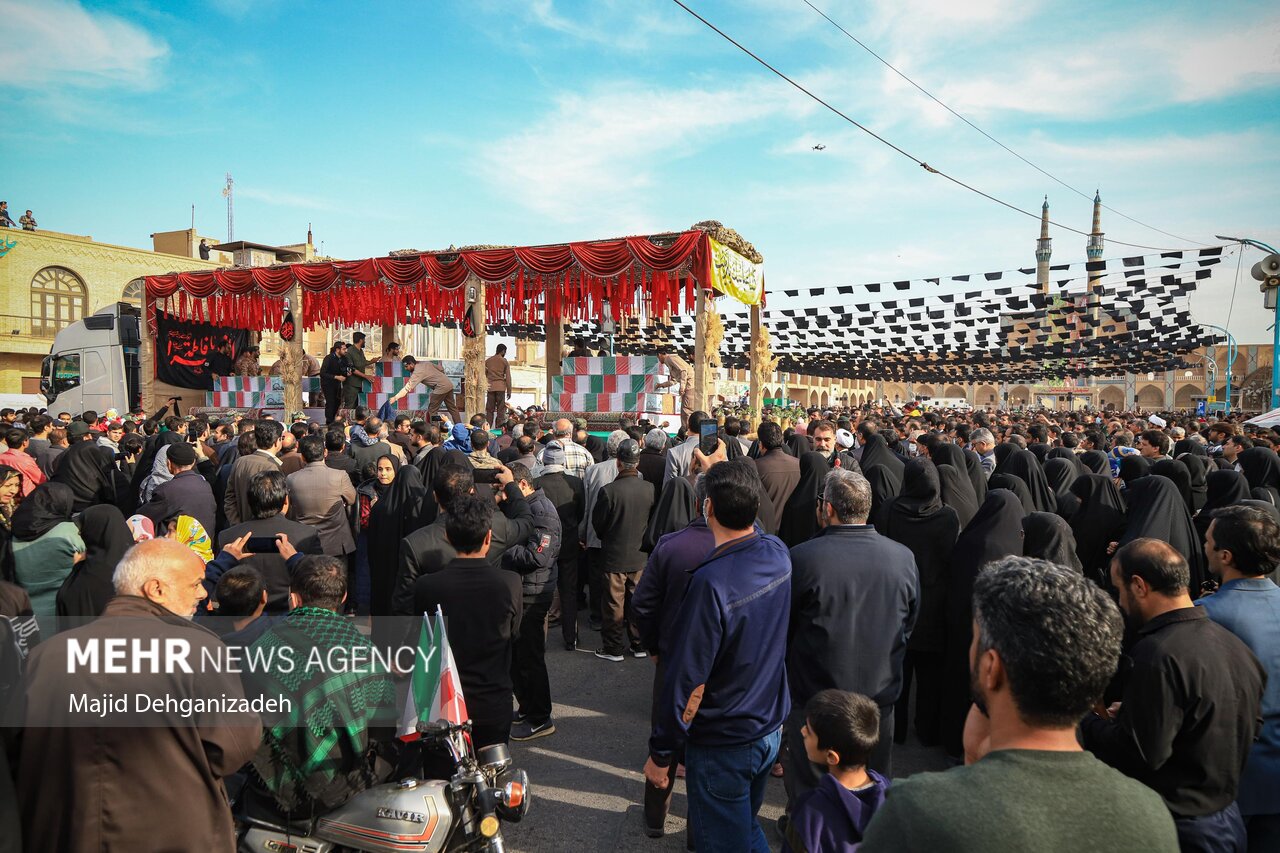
column 514, row 795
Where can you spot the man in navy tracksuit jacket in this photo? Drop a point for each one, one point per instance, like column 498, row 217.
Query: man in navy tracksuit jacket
column 725, row 691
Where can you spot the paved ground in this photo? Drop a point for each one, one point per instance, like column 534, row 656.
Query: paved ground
column 586, row 779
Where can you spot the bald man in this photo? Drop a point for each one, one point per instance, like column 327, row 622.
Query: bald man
column 147, row 770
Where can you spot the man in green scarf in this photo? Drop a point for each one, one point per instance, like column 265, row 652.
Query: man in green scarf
column 321, row 749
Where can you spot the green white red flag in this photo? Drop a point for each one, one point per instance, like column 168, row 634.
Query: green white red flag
column 434, row 691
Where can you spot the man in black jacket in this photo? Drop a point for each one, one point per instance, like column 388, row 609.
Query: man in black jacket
column 854, row 599
column 187, row 493
column 1191, row 704
column 535, row 561
column 481, row 605
column 428, row 549
column 336, row 456
column 333, row 374
column 269, row 505
column 620, row 517
column 568, row 496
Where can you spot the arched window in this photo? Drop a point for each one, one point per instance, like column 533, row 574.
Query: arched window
column 133, row 292
column 57, row 300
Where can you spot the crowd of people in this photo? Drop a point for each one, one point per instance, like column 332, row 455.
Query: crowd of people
column 1079, row 609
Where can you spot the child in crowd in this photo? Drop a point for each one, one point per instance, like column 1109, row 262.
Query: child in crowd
column 840, row 731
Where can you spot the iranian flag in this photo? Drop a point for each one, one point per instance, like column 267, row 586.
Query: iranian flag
column 434, row 692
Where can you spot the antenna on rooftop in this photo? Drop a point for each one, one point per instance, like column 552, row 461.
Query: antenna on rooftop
column 229, row 193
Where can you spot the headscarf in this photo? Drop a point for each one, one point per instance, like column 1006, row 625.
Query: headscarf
column 883, row 487
column 1010, row 483
column 1174, row 470
column 1226, row 487
column 1157, row 511
column 1040, row 450
column 459, row 438
column 87, row 589
column 876, row 452
column 957, row 493
column 1099, row 522
column 1198, row 466
column 918, row 519
column 1060, row 474
column 1002, row 452
column 799, row 445
column 1188, row 445
column 1067, row 454
column 88, row 472
column 48, row 505
column 393, row 517
column 1023, row 464
column 1096, row 462
column 141, row 527
column 1261, row 467
column 1047, row 536
column 799, row 521
column 676, row 509
column 191, row 533
column 7, row 473
column 1133, row 468
column 995, row 532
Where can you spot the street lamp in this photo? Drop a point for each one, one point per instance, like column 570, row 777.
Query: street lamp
column 1275, row 345
column 1212, row 373
column 1231, row 361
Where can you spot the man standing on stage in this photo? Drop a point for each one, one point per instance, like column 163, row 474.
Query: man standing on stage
column 497, row 372
column 334, row 372
column 355, row 380
column 681, row 373
column 441, row 387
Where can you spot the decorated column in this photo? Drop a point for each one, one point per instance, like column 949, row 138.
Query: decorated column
column 473, row 349
column 700, row 356
column 291, row 353
column 148, row 371
column 759, row 358
column 555, row 348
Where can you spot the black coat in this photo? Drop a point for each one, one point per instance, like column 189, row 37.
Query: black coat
column 855, row 596
column 569, row 497
column 535, row 559
column 482, row 607
column 918, row 519
column 1157, row 510
column 621, row 517
column 1098, row 522
column 186, row 494
column 272, row 566
column 995, row 532
column 426, row 549
column 343, row 462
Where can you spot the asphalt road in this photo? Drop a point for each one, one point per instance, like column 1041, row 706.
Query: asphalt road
column 586, row 778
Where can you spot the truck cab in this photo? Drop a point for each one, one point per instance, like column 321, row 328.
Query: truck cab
column 94, row 364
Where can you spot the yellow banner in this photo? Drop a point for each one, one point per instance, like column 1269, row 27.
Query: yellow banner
column 736, row 276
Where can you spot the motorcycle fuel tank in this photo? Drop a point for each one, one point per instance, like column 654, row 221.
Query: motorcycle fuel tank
column 412, row 816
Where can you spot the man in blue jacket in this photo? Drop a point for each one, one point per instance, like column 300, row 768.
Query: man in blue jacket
column 1243, row 546
column 725, row 690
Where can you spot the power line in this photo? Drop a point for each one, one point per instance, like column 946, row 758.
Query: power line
column 922, row 164
column 933, row 98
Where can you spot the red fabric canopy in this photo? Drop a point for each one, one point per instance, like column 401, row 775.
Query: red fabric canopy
column 573, row 280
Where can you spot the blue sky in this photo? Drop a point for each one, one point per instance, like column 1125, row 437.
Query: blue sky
column 398, row 125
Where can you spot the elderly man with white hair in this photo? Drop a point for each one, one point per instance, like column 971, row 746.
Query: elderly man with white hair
column 97, row 775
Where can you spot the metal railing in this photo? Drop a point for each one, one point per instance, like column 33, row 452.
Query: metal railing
column 15, row 326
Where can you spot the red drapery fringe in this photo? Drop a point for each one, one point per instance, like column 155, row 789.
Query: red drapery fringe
column 574, row 281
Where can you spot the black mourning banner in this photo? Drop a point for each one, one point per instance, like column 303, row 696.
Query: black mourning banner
column 183, row 348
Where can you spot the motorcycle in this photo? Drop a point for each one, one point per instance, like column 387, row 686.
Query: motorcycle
column 461, row 815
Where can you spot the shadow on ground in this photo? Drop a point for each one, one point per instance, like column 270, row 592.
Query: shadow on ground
column 587, row 784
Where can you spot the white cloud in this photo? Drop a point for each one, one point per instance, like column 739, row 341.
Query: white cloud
column 1237, row 60
column 59, row 42
column 620, row 24
column 602, row 155
column 285, row 198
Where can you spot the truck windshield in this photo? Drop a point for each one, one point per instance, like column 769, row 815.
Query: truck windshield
column 66, row 372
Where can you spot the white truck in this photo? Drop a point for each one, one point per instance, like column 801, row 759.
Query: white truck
column 95, row 363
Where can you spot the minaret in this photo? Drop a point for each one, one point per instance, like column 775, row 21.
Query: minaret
column 1044, row 250
column 1094, row 249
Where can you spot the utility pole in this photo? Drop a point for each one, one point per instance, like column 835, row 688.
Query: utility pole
column 1267, row 271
